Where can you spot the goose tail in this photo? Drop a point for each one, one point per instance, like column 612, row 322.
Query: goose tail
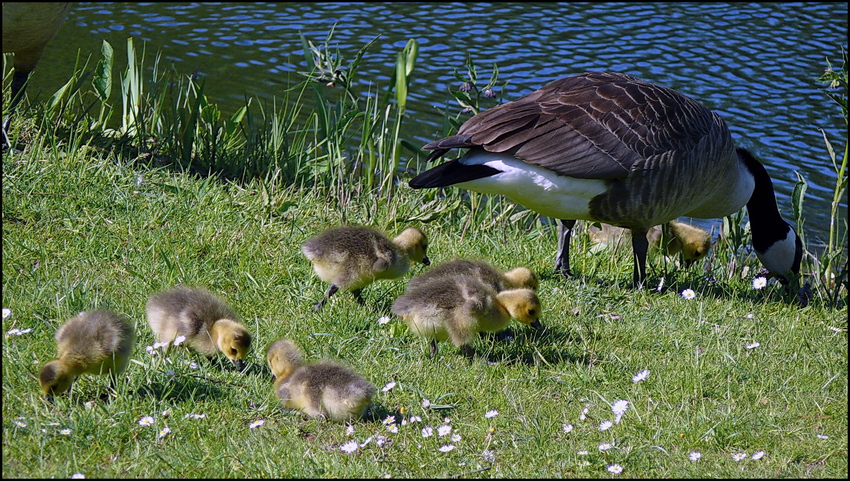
column 450, row 173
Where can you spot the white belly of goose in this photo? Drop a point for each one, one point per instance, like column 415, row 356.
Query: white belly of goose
column 536, row 188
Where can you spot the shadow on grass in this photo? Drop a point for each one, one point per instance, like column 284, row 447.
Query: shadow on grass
column 182, row 388
column 530, row 347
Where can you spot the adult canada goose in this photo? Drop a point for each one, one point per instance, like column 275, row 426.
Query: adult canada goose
column 352, row 257
column 27, row 29
column 320, row 389
column 96, row 342
column 457, row 308
column 674, row 237
column 520, row 277
column 612, row 148
column 208, row 324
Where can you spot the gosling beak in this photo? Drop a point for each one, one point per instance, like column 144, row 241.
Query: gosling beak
column 240, row 365
column 689, row 262
column 426, row 261
column 537, row 325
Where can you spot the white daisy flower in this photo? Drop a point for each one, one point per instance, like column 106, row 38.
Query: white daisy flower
column 688, row 294
column 605, row 446
column 389, row 386
column 759, row 283
column 758, row 455
column 694, row 456
column 739, row 456
column 619, row 408
column 567, row 428
column 146, row 421
column 257, row 423
column 615, row 468
column 640, row 376
column 447, row 447
column 427, row 431
column 6, row 312
column 383, row 320
column 752, row 345
column 349, row 447
column 605, row 425
column 444, row 430
column 491, row 413
column 179, row 340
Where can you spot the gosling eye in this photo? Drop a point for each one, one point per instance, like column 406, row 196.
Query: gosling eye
column 532, row 312
column 233, row 351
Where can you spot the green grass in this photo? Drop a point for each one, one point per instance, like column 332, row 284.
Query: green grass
column 88, row 230
column 99, row 218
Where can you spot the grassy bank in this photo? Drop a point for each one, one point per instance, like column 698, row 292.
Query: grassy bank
column 725, row 381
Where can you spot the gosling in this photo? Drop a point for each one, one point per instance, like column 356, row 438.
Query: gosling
column 352, row 257
column 97, row 342
column 208, row 324
column 321, row 389
column 673, row 238
column 458, row 308
column 520, row 277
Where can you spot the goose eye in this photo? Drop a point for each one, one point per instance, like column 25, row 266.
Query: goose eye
column 233, row 351
column 532, row 312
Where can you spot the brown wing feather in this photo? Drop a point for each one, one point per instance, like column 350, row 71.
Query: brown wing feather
column 593, row 125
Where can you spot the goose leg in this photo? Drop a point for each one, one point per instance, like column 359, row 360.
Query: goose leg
column 358, row 296
column 19, row 81
column 562, row 258
column 639, row 247
column 433, row 348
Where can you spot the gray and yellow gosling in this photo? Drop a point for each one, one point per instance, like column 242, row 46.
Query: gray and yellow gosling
column 352, row 257
column 208, row 324
column 96, row 342
column 520, row 277
column 320, row 389
column 457, row 308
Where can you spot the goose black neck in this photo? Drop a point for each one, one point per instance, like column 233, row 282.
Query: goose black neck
column 765, row 220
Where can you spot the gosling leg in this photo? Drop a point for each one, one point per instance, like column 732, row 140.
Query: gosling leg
column 331, row 290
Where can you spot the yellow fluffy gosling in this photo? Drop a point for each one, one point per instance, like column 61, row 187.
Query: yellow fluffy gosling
column 457, row 308
column 320, row 389
column 520, row 277
column 208, row 324
column 352, row 257
column 674, row 237
column 97, row 342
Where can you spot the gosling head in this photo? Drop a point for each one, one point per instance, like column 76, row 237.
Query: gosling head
column 233, row 340
column 523, row 305
column 522, row 277
column 695, row 242
column 284, row 357
column 55, row 378
column 414, row 244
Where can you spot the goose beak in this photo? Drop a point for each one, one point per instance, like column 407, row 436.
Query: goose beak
column 537, row 325
column 240, row 365
column 426, row 261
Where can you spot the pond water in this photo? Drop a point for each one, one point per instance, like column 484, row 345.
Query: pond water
column 754, row 64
